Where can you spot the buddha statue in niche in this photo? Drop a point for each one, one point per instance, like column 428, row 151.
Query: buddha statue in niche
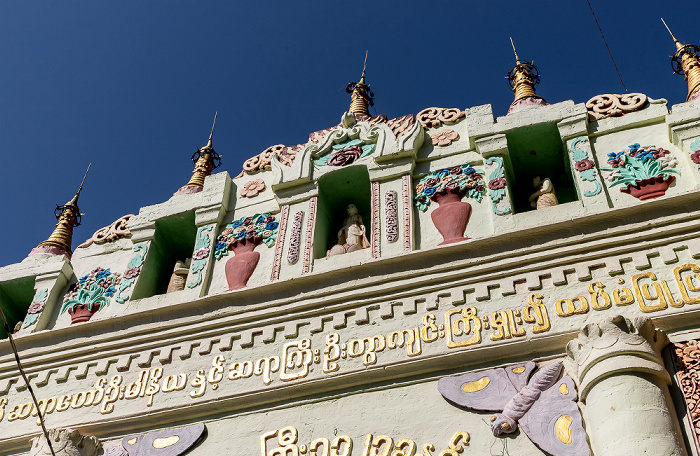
column 352, row 236
column 545, row 195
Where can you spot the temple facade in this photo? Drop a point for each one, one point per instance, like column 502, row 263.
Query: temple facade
column 438, row 284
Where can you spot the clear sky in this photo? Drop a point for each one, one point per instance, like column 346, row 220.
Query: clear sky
column 132, row 86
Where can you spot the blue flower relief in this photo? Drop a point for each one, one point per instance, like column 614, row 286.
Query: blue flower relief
column 469, row 170
column 444, row 173
column 271, row 226
column 236, row 224
column 429, row 191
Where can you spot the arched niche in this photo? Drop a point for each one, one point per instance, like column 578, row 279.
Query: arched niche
column 349, row 185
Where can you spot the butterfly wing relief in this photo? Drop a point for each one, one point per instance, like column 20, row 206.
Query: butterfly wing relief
column 169, row 442
column 554, row 423
column 488, row 390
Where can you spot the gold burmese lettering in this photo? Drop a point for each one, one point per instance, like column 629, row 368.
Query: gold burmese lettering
column 199, row 381
column 174, row 383
column 112, row 394
column 470, row 323
column 536, row 312
column 626, row 299
column 567, row 307
column 643, row 291
column 265, row 366
column 429, row 331
column 64, row 402
column 216, row 373
column 597, row 294
column 411, row 337
column 300, row 357
column 3, row 403
column 686, row 284
column 331, row 353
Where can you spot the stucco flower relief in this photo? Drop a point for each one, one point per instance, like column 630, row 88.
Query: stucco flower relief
column 252, row 188
column 345, row 156
column 444, row 137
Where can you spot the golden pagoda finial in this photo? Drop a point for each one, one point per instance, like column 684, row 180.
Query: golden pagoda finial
column 362, row 97
column 205, row 161
column 517, row 59
column 523, row 79
column 686, row 62
column 68, row 217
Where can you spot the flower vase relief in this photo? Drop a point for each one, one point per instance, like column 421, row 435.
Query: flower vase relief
column 643, row 172
column 447, row 187
column 89, row 294
column 241, row 237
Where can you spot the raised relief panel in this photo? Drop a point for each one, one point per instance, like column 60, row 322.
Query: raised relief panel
column 170, row 442
column 65, row 442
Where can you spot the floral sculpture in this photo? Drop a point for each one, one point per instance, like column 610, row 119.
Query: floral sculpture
column 89, row 294
column 346, row 153
column 242, row 236
column 447, row 187
column 644, row 172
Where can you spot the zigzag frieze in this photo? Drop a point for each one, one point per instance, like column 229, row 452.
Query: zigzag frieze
column 450, row 295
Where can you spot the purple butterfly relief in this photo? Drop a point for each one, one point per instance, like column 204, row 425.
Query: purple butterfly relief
column 542, row 403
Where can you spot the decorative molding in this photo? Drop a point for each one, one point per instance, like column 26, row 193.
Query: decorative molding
column 436, row 117
column 497, row 186
column 201, row 254
column 65, row 442
column 584, row 165
column 36, row 307
column 117, row 230
column 133, row 270
column 400, row 126
column 376, row 221
column 277, row 264
column 252, row 188
column 406, row 207
column 688, row 377
column 263, row 161
column 610, row 105
column 295, row 238
column 391, row 214
column 310, row 227
column 444, row 137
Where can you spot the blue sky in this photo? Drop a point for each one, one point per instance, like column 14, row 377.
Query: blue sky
column 133, row 86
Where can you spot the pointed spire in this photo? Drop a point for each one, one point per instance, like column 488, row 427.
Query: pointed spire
column 523, row 79
column 362, row 97
column 686, row 62
column 68, row 217
column 205, row 161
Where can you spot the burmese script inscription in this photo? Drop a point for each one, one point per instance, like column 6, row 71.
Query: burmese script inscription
column 457, row 328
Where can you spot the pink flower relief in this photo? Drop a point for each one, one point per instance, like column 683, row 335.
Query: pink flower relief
column 583, row 165
column 444, row 137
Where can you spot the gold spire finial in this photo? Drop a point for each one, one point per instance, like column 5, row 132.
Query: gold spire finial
column 517, row 59
column 523, row 79
column 362, row 97
column 68, row 217
column 205, row 161
column 675, row 40
column 686, row 62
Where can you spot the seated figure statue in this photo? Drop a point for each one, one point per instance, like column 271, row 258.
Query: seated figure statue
column 352, row 236
column 545, row 195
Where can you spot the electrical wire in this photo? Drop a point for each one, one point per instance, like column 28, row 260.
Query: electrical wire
column 606, row 45
column 26, row 380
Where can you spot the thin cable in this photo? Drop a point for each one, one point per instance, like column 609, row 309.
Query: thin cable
column 26, row 381
column 606, row 45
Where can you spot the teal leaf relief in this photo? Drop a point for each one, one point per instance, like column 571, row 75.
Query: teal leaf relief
column 200, row 254
column 36, row 307
column 695, row 152
column 132, row 272
column 695, row 145
column 584, row 166
column 497, row 179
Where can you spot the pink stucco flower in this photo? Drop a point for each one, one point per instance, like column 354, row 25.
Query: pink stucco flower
column 444, row 137
column 583, row 165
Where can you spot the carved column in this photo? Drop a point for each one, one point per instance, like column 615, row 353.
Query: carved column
column 624, row 384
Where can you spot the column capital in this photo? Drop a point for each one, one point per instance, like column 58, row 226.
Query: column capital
column 616, row 345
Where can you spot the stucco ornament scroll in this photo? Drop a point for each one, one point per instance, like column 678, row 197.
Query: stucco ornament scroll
column 436, row 117
column 541, row 403
column 169, row 442
column 584, row 165
column 688, row 373
column 201, row 254
column 391, row 215
column 65, row 442
column 609, row 105
column 295, row 238
column 36, row 307
column 497, row 186
column 133, row 270
column 117, row 230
